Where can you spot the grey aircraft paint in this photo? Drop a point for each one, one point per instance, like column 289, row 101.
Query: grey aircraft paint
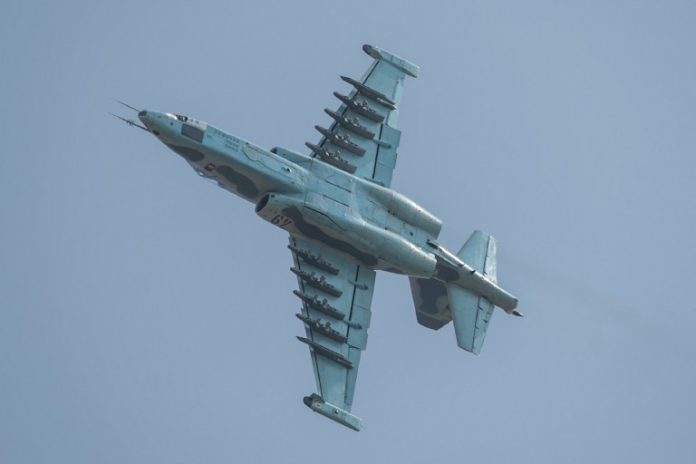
column 345, row 223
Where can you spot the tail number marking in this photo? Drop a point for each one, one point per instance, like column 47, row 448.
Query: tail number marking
column 281, row 221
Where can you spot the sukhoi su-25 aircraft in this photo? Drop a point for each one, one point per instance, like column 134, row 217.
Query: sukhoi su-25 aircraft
column 345, row 223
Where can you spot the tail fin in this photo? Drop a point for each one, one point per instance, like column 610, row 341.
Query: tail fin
column 437, row 302
column 479, row 252
column 471, row 312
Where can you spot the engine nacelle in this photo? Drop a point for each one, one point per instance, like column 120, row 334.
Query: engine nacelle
column 407, row 210
column 401, row 255
column 274, row 206
column 374, row 246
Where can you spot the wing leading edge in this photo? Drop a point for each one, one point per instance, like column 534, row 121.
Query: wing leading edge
column 336, row 295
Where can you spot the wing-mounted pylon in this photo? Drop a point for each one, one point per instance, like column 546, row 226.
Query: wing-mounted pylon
column 363, row 137
column 335, row 293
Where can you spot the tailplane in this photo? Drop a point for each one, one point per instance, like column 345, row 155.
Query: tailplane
column 471, row 312
column 439, row 302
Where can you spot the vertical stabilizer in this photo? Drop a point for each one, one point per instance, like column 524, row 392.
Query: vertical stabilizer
column 479, row 252
column 461, row 299
column 470, row 311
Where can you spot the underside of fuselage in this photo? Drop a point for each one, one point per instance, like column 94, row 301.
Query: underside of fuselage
column 312, row 199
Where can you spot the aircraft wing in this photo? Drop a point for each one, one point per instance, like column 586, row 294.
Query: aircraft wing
column 336, row 294
column 363, row 137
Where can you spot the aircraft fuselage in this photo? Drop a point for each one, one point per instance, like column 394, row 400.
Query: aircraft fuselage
column 376, row 225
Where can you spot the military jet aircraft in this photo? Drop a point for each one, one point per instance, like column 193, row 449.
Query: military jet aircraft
column 345, row 223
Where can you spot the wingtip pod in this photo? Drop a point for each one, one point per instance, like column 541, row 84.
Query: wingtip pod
column 317, row 404
column 403, row 65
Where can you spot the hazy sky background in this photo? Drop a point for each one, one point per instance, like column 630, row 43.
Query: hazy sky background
column 146, row 316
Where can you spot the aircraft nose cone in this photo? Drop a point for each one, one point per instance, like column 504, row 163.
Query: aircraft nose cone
column 145, row 117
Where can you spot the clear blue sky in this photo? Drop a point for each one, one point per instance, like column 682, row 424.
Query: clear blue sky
column 147, row 316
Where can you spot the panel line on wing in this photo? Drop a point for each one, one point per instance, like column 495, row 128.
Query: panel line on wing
column 352, row 303
column 374, row 168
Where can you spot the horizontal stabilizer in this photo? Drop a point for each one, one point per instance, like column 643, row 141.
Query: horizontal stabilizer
column 463, row 301
column 470, row 315
column 479, row 252
column 431, row 301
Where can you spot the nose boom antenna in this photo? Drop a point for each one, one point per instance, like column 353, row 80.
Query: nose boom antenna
column 130, row 122
column 126, row 105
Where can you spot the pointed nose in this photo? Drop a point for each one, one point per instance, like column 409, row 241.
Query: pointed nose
column 145, row 117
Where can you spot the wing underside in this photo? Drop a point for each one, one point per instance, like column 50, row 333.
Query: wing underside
column 363, row 137
column 334, row 289
column 335, row 294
